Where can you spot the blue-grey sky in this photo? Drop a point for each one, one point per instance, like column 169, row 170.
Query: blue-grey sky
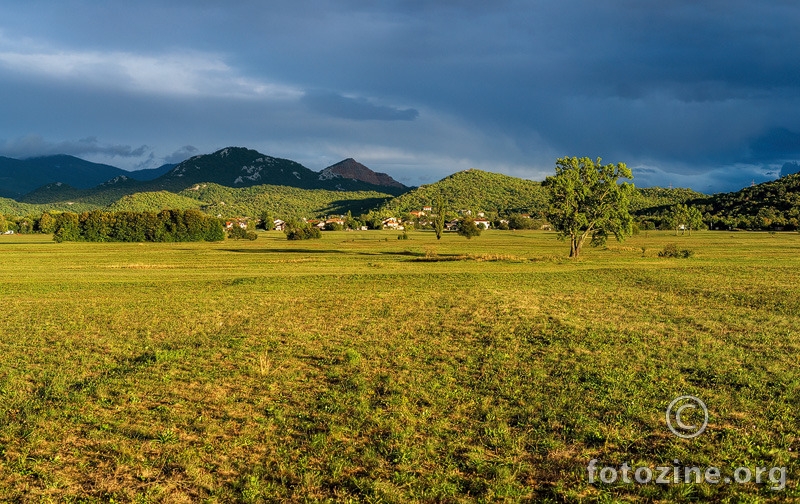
column 703, row 94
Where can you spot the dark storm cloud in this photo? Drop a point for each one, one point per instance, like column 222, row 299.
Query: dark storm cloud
column 695, row 91
column 777, row 143
column 34, row 145
column 358, row 109
column 182, row 154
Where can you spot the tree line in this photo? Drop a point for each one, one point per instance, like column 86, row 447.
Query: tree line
column 163, row 226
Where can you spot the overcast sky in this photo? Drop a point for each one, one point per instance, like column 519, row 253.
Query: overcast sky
column 701, row 94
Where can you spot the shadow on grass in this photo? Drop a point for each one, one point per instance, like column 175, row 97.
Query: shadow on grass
column 405, row 253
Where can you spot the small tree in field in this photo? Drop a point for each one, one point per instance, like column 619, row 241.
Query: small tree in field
column 586, row 200
column 438, row 220
column 468, row 228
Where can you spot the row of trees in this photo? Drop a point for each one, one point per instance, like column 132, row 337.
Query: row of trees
column 164, row 226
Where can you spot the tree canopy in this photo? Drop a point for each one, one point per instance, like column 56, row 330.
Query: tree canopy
column 587, row 200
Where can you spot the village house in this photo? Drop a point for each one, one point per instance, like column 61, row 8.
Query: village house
column 242, row 223
column 279, row 225
column 482, row 223
column 392, row 223
column 427, row 208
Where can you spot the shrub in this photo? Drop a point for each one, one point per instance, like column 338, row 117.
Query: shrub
column 237, row 233
column 671, row 250
column 468, row 229
column 302, row 232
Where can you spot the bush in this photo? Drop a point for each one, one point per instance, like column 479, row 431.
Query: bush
column 468, row 229
column 671, row 250
column 237, row 233
column 302, row 232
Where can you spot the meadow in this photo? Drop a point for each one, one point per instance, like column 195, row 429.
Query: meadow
column 363, row 368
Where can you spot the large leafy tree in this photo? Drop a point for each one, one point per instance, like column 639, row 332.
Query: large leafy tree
column 586, row 200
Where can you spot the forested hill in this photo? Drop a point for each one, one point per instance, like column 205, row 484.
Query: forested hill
column 769, row 205
column 650, row 199
column 282, row 201
column 476, row 190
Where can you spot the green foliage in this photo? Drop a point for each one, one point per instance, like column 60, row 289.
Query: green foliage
column 46, row 223
column 153, row 202
column 301, row 231
column 475, row 189
column 771, row 205
column 281, row 201
column 439, row 217
column 166, row 226
column 517, row 221
column 671, row 250
column 646, row 199
column 267, row 221
column 586, row 200
column 67, row 228
column 467, row 228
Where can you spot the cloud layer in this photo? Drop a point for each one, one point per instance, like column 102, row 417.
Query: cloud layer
column 693, row 93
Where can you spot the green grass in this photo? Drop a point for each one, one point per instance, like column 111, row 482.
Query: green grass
column 360, row 367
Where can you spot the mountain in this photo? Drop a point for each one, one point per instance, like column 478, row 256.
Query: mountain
column 237, row 167
column 19, row 177
column 476, row 190
column 151, row 173
column 353, row 170
column 241, row 167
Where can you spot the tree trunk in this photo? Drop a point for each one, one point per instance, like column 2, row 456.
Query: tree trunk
column 576, row 242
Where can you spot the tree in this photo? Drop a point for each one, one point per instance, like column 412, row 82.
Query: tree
column 67, row 228
column 586, row 200
column 438, row 219
column 468, row 228
column 301, row 231
column 678, row 218
column 694, row 219
column 47, row 223
column 267, row 222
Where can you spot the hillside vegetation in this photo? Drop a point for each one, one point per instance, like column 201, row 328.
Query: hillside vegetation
column 475, row 190
column 281, row 201
column 650, row 199
column 153, row 202
column 768, row 205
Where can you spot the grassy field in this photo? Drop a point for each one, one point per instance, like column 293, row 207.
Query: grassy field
column 363, row 368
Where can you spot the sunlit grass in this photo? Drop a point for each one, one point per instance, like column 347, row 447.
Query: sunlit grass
column 361, row 367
